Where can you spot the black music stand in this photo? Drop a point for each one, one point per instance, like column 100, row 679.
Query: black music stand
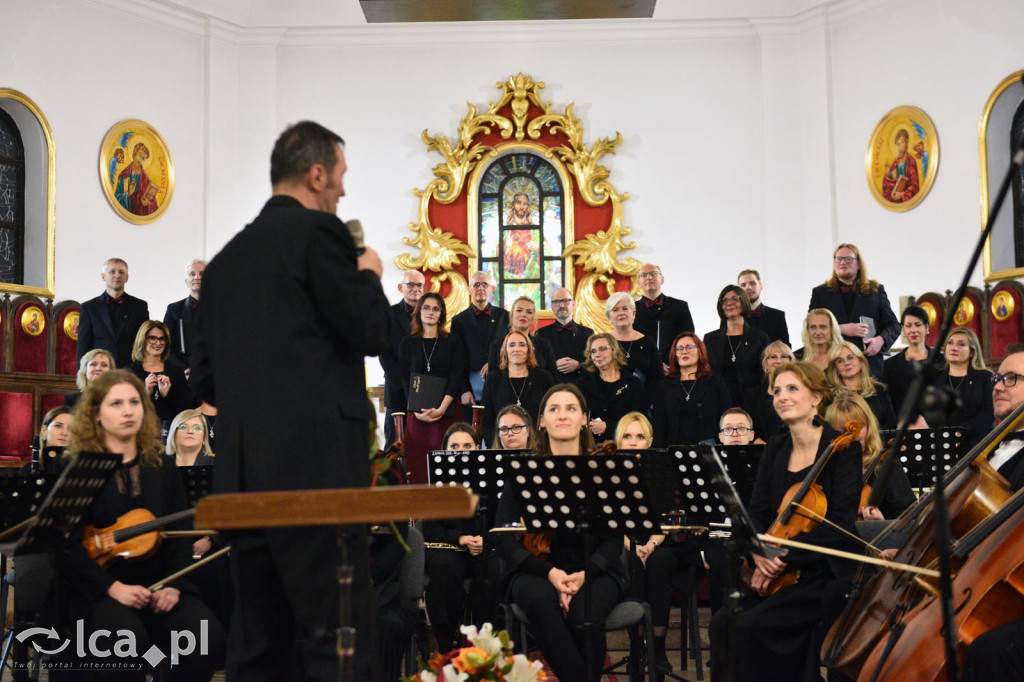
column 198, row 482
column 694, row 473
column 482, row 471
column 588, row 495
column 924, row 448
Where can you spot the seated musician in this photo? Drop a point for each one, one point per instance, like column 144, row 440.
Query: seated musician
column 115, row 415
column 54, row 430
column 779, row 632
column 551, row 590
column 514, row 429
column 456, row 550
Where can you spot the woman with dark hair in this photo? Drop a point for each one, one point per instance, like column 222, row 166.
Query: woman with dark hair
column 93, row 363
column 609, row 392
column 899, row 368
column 688, row 404
column 55, row 429
column 734, row 349
column 848, row 369
column 642, row 356
column 551, row 592
column 115, row 415
column 851, row 296
column 430, row 350
column 514, row 429
column 786, row 627
column 165, row 383
column 514, row 380
column 456, row 550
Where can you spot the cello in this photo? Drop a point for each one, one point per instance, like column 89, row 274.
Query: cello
column 975, row 491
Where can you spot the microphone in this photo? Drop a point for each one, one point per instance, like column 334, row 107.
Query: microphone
column 355, row 228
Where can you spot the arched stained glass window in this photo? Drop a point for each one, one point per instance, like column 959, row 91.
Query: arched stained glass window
column 12, row 202
column 1016, row 139
column 521, row 227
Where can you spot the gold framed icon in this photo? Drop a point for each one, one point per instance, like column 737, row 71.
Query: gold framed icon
column 33, row 320
column 71, row 325
column 136, row 171
column 902, row 158
column 1002, row 305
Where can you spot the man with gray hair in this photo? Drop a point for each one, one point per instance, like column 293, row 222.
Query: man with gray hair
column 477, row 326
column 567, row 338
column 180, row 316
column 111, row 320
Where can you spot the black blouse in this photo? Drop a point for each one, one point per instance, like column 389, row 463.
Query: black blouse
column 682, row 421
column 444, row 355
column 644, row 361
column 737, row 359
column 611, row 400
column 975, row 415
column 898, row 373
column 178, row 397
column 501, row 390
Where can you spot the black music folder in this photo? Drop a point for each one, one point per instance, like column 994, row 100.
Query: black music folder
column 426, row 392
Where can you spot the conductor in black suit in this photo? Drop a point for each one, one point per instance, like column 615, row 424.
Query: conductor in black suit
column 478, row 326
column 400, row 326
column 771, row 321
column 567, row 339
column 290, row 309
column 111, row 320
column 658, row 316
column 181, row 315
column 850, row 295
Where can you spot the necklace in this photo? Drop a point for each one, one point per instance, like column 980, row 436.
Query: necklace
column 692, row 386
column 432, row 349
column 629, row 348
column 518, row 394
column 949, row 378
column 732, row 348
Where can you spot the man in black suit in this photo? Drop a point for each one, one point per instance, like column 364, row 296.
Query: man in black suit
column 477, row 326
column 291, row 308
column 400, row 321
column 568, row 339
column 849, row 295
column 111, row 320
column 771, row 321
column 180, row 316
column 659, row 316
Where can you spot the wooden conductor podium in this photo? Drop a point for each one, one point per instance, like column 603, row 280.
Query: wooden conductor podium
column 339, row 508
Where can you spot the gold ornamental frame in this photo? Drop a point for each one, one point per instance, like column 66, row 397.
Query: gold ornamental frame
column 517, row 115
column 46, row 291
column 921, row 133
column 990, row 274
column 119, row 145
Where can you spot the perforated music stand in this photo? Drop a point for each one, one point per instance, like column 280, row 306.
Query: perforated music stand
column 63, row 507
column 481, row 471
column 198, row 482
column 694, row 472
column 922, row 448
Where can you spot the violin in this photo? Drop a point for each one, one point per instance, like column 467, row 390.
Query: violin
column 539, row 544
column 807, row 497
column 135, row 535
column 867, row 488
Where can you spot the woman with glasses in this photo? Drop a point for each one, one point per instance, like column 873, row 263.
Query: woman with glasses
column 734, row 349
column 859, row 304
column 642, row 357
column 188, row 441
column 899, row 368
column 848, row 369
column 165, row 383
column 610, row 393
column 514, row 429
column 968, row 377
column 514, row 380
column 820, row 334
column 93, row 363
column 430, row 350
column 766, row 420
column 688, row 404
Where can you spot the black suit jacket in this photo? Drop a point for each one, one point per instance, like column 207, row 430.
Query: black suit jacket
column 874, row 305
column 478, row 345
column 95, row 329
column 399, row 327
column 772, row 322
column 566, row 344
column 663, row 322
column 180, row 319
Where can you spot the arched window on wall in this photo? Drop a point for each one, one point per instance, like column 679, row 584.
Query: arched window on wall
column 521, row 228
column 12, row 202
column 1016, row 138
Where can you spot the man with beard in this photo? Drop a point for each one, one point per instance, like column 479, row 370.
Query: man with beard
column 771, row 321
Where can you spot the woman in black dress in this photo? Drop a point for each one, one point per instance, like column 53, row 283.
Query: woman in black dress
column 115, row 415
column 766, row 419
column 734, row 349
column 778, row 636
column 551, row 591
column 609, row 392
column 899, row 369
column 430, row 350
column 642, row 357
column 848, row 370
column 688, row 404
column 93, row 363
column 165, row 383
column 517, row 381
column 521, row 318
column 968, row 376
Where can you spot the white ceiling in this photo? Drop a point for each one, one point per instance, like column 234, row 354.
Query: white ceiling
column 338, row 13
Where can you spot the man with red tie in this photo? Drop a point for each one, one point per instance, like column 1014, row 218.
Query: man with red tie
column 568, row 339
column 659, row 316
column 771, row 321
column 477, row 326
column 111, row 320
column 399, row 321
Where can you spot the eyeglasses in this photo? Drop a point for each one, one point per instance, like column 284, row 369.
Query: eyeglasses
column 845, row 259
column 195, row 427
column 560, row 301
column 412, row 285
column 731, row 299
column 686, row 349
column 649, row 275
column 156, row 339
column 514, row 430
column 600, row 349
column 735, row 431
column 1009, row 379
column 479, row 285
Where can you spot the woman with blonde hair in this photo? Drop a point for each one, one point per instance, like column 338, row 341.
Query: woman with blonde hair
column 634, row 432
column 165, row 382
column 848, row 369
column 820, row 334
column 967, row 375
column 93, row 363
column 188, row 440
column 609, row 391
column 766, row 419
